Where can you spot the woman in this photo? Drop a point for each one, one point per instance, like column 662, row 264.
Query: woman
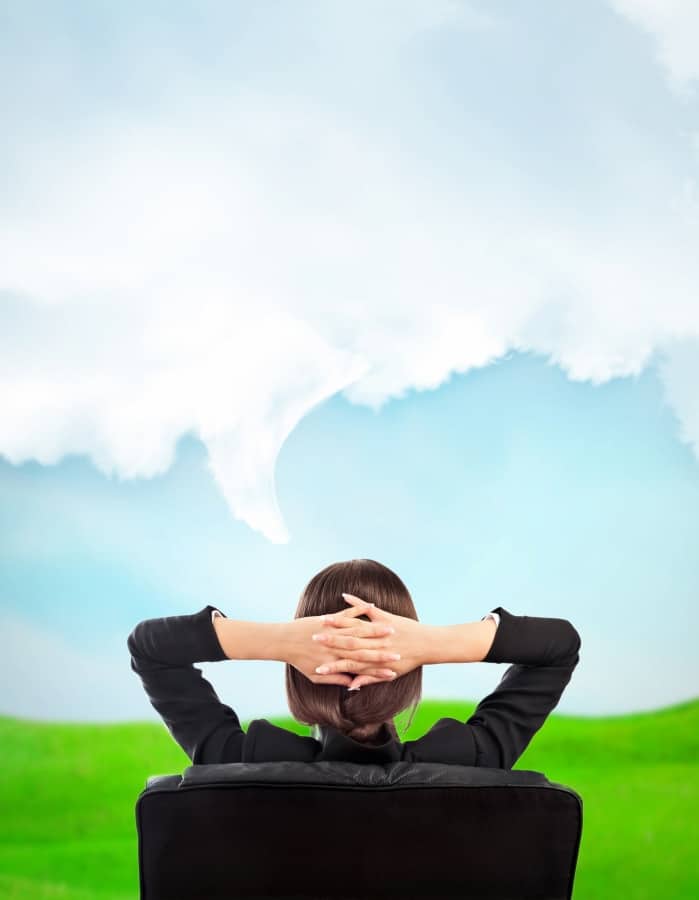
column 353, row 700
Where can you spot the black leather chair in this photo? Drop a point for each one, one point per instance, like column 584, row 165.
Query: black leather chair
column 348, row 831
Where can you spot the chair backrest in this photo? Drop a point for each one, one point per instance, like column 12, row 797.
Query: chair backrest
column 336, row 830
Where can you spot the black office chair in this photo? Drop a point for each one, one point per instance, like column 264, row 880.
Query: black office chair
column 345, row 831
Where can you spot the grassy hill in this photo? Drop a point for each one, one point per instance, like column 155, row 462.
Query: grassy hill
column 68, row 791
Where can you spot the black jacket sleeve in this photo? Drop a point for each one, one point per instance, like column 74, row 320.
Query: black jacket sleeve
column 544, row 653
column 162, row 655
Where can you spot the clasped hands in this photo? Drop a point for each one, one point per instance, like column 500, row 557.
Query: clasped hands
column 339, row 649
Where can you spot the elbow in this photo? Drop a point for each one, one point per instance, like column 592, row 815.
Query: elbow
column 136, row 644
column 132, row 644
column 564, row 646
column 132, row 641
column 145, row 646
column 572, row 644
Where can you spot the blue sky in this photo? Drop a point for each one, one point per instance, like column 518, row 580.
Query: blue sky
column 287, row 285
column 509, row 486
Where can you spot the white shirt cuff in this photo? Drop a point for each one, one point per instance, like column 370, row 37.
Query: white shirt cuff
column 215, row 613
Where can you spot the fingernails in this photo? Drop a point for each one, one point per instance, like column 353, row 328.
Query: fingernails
column 318, row 637
column 354, row 688
column 322, row 670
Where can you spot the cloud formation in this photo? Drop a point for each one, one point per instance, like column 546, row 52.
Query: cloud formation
column 674, row 26
column 220, row 262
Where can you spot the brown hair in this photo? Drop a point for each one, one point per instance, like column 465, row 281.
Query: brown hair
column 358, row 714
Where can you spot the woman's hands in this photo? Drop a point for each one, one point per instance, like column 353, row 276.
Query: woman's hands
column 369, row 654
column 355, row 645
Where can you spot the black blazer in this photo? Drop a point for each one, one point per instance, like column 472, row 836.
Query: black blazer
column 542, row 651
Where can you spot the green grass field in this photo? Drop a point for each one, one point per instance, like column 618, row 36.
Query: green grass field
column 68, row 792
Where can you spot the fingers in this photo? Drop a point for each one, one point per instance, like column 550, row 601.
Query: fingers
column 365, row 654
column 357, row 666
column 357, row 682
column 336, row 678
column 364, row 607
column 353, row 600
column 349, row 614
column 360, row 681
column 346, row 618
column 358, row 629
column 352, row 641
column 343, row 619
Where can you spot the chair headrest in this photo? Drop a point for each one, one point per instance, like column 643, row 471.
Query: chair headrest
column 395, row 774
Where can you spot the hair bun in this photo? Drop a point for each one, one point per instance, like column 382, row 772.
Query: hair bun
column 364, row 732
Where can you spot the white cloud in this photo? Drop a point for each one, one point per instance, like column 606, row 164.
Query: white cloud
column 231, row 261
column 674, row 25
column 679, row 368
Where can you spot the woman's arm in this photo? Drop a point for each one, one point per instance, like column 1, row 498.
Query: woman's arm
column 163, row 652
column 416, row 643
column 544, row 653
column 292, row 642
column 465, row 643
column 250, row 640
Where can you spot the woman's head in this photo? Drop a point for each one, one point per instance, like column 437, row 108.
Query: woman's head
column 358, row 714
